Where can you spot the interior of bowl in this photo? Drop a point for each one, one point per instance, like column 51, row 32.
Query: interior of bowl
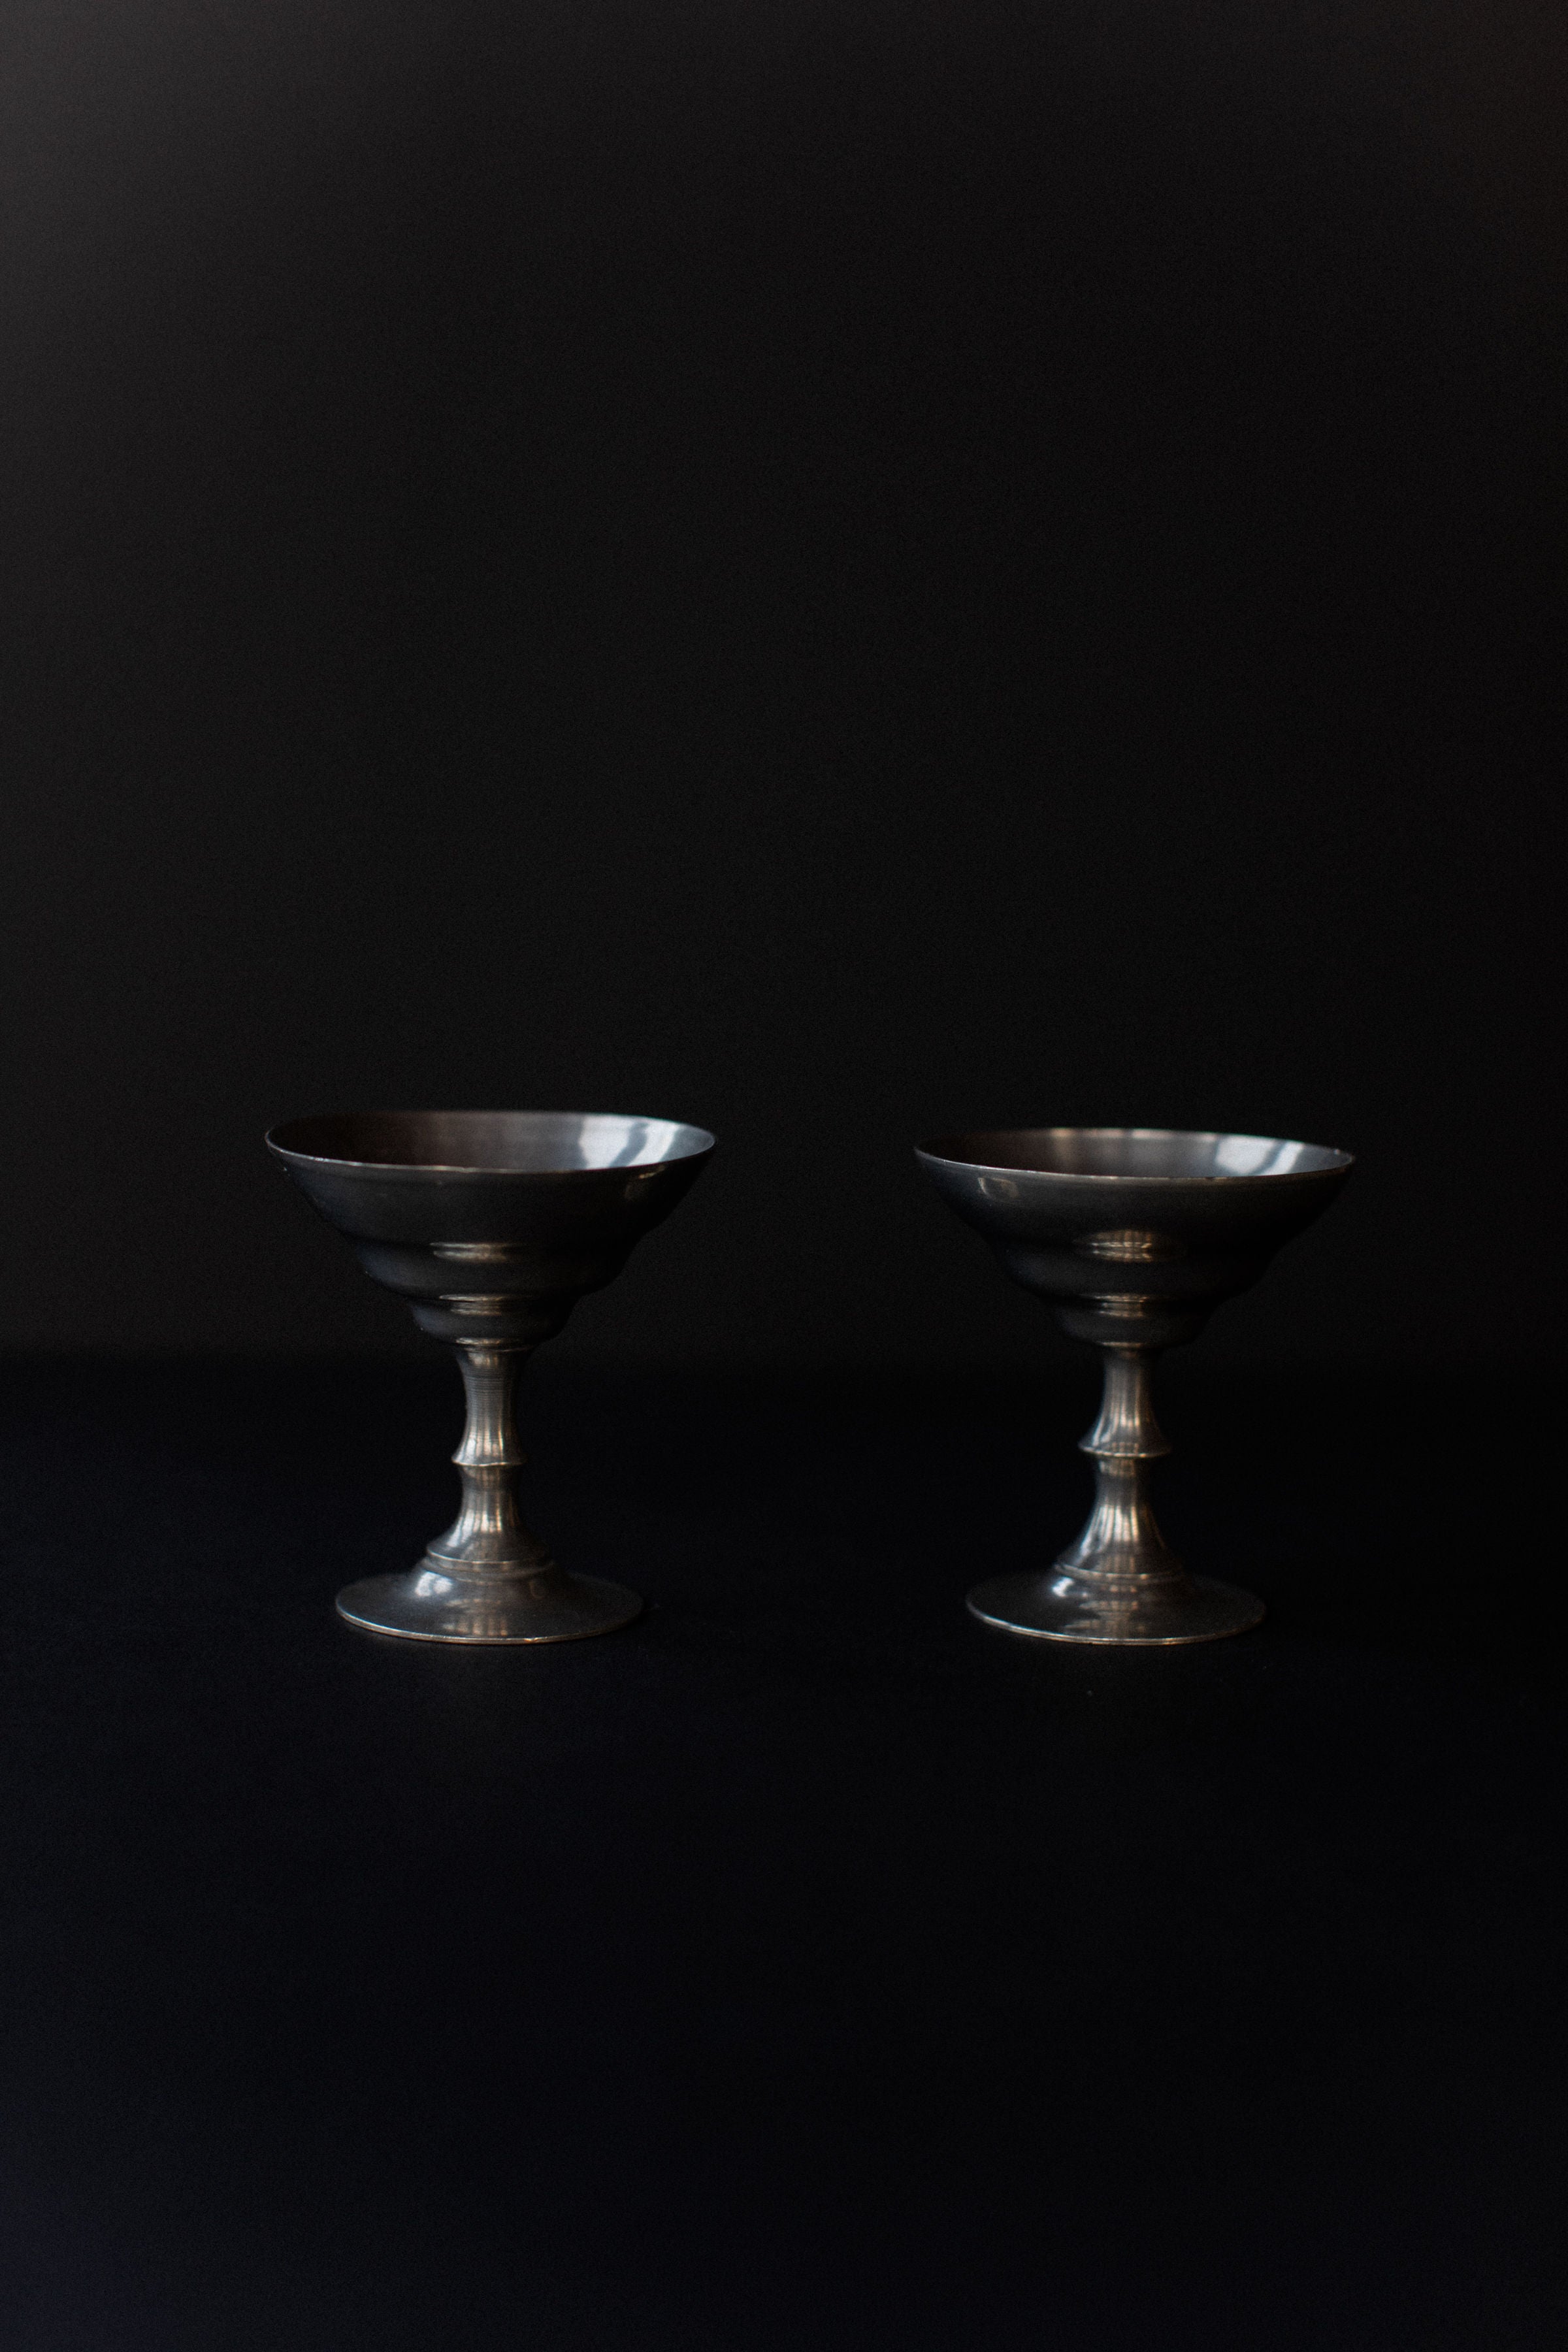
column 1142, row 1152
column 500, row 1142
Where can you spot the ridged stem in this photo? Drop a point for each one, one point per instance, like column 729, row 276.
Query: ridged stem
column 1121, row 1542
column 488, row 1535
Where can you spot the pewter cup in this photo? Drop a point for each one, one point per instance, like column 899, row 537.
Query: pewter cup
column 491, row 1225
column 1136, row 1234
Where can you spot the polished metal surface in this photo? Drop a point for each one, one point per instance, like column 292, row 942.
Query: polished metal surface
column 1134, row 1235
column 491, row 1225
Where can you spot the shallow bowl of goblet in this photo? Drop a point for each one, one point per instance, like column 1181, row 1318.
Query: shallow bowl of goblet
column 1093, row 1217
column 491, row 1222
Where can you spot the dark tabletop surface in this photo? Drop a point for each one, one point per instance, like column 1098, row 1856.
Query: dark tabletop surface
column 806, row 1966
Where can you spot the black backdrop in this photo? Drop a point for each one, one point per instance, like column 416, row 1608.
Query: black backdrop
column 832, row 570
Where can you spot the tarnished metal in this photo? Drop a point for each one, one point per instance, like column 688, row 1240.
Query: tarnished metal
column 1136, row 1234
column 491, row 1225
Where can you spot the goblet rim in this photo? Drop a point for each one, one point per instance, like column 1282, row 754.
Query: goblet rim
column 1334, row 1162
column 691, row 1142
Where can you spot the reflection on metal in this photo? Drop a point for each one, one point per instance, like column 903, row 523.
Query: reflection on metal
column 491, row 1225
column 1136, row 1234
column 1128, row 1246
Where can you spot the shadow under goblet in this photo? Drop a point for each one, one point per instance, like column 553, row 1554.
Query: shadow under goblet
column 491, row 1225
column 1136, row 1234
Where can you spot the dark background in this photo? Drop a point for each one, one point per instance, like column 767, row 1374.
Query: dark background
column 832, row 571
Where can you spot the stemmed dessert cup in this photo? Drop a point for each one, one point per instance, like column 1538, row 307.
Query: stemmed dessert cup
column 1134, row 1235
column 491, row 1225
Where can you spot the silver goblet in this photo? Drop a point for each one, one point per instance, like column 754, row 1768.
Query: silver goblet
column 491, row 1225
column 1136, row 1234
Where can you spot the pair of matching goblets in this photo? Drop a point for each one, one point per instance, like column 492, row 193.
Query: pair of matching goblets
column 492, row 1224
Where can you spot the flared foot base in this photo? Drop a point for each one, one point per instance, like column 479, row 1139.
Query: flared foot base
column 547, row 1605
column 1056, row 1608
